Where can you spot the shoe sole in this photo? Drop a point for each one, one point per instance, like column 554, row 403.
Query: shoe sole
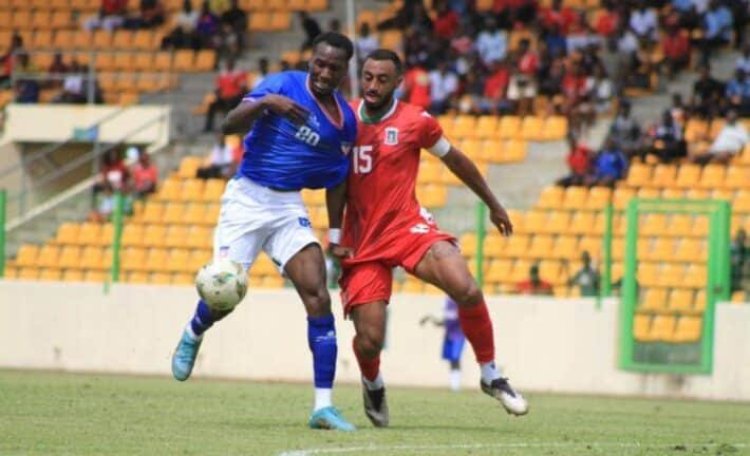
column 491, row 392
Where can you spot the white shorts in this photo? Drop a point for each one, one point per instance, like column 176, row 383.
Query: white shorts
column 254, row 217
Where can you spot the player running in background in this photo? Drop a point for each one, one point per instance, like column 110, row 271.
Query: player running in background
column 300, row 133
column 385, row 228
column 453, row 340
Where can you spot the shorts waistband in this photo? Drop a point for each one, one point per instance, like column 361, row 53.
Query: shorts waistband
column 274, row 189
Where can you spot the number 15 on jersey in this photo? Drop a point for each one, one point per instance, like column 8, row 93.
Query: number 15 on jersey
column 362, row 159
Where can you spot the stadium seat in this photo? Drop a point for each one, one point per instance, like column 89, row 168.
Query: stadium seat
column 551, row 198
column 663, row 249
column 737, row 177
column 533, row 222
column 622, row 196
column 70, row 257
column 565, row 247
column 132, row 235
column 154, row 235
column 598, row 198
column 701, row 225
column 178, row 260
column 681, row 300
column 662, row 328
column 177, row 236
column 133, row 259
column 691, row 250
column 27, row 255
column 212, row 214
column 555, row 128
column 664, row 176
column 654, row 299
column 582, row 223
column 264, row 266
column 517, row 246
column 48, row 256
column 197, row 258
column 592, row 245
column 94, row 276
column 642, row 327
column 156, row 260
column 696, row 276
column 72, row 275
column 464, row 126
column 541, row 246
column 494, row 245
column 688, row 330
column 509, row 128
column 648, row 193
column 468, row 243
column 672, row 275
column 499, row 271
column 680, row 225
column 532, row 128
column 50, row 274
column 639, row 175
column 94, row 258
column 28, row 273
column 713, row 176
column 486, row 127
column 672, row 193
column 648, row 274
column 173, row 213
column 655, row 224
column 688, row 176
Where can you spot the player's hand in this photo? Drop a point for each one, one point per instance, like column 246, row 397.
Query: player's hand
column 284, row 106
column 499, row 217
column 340, row 252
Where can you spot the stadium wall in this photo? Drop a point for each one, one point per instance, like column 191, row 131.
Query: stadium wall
column 544, row 344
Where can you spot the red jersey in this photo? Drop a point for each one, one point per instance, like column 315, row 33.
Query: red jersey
column 381, row 190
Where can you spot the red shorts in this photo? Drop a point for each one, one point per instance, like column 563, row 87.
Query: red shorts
column 369, row 277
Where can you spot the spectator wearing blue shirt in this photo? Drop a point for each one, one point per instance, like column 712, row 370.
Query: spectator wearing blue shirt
column 717, row 28
column 610, row 165
column 737, row 93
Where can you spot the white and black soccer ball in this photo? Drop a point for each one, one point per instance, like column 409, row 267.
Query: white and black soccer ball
column 222, row 284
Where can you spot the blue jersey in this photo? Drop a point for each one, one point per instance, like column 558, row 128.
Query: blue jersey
column 285, row 156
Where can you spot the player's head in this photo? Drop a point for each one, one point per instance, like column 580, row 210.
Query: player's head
column 329, row 62
column 382, row 73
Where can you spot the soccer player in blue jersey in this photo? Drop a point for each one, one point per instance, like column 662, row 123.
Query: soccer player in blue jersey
column 300, row 132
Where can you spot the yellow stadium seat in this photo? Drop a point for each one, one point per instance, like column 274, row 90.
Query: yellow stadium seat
column 639, row 175
column 672, row 193
column 551, row 271
column 515, row 150
column 499, row 271
column 555, row 128
column 89, row 232
column 494, row 245
column 509, row 128
column 184, row 60
column 691, row 250
column 713, row 176
column 137, row 277
column 697, row 194
column 517, row 246
column 72, row 275
column 532, row 128
column 173, row 213
column 648, row 274
column 429, row 173
column 213, row 190
column 672, row 275
column 565, row 247
column 182, row 278
column 486, row 127
column 557, row 222
column 551, row 198
column 680, row 225
column 464, row 126
column 648, row 193
column 722, row 194
column 197, row 259
column 153, row 212
column 160, row 278
column 575, row 198
column 70, row 257
column 28, row 273
column 663, row 249
column 178, row 260
column 259, row 22
column 200, row 237
column 212, row 214
column 50, row 274
column 468, row 242
column 144, row 62
column 737, row 177
column 533, row 222
column 592, row 245
column 132, row 235
column 94, row 258
column 696, row 130
column 688, row 176
column 642, row 327
column 696, row 276
column 582, row 223
column 681, row 300
column 541, row 246
column 133, row 259
column 194, row 213
column 317, row 5
column 598, row 198
column 154, row 235
column 520, row 271
column 662, row 328
column 67, row 234
column 156, row 260
column 654, row 299
column 701, row 224
column 170, row 190
column 264, row 266
column 622, row 196
column 664, row 176
column 205, row 60
column 741, row 203
column 688, row 329
column 177, row 236
column 95, row 276
column 655, row 224
column 472, row 148
column 48, row 256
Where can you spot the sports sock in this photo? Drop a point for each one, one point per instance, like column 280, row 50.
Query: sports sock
column 489, row 372
column 321, row 338
column 370, row 367
column 455, row 378
column 203, row 319
column 375, row 384
column 322, row 398
column 476, row 324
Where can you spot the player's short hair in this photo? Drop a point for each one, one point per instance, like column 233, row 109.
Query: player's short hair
column 336, row 40
column 387, row 54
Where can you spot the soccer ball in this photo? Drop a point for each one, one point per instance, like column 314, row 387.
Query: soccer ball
column 221, row 284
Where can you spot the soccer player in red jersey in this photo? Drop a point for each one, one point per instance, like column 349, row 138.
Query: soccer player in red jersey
column 385, row 227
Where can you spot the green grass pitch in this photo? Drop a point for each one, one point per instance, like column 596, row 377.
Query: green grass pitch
column 52, row 413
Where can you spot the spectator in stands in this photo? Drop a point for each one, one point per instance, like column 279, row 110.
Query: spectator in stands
column 410, row 13
column 366, row 42
column 579, row 162
column 600, row 90
column 263, row 71
column 150, row 15
column 417, row 86
column 27, row 83
column 227, row 43
column 534, row 285
column 743, row 61
column 607, row 21
column 236, row 18
column 737, row 93
column 443, row 85
column 678, row 110
column 334, row 25
column 492, row 43
column 145, row 175
column 558, row 15
column 676, row 49
column 708, row 94
column 113, row 172
column 231, row 85
column 587, row 278
column 740, row 15
column 643, row 22
column 311, row 28
column 717, row 28
column 222, row 162
column 104, row 204
column 207, row 27
column 626, row 49
column 522, row 88
column 183, row 36
column 74, row 85
column 111, row 15
column 495, row 91
column 626, row 131
column 738, row 253
column 7, row 60
column 555, row 42
column 730, row 141
column 446, row 21
column 610, row 166
column 667, row 141
column 56, row 71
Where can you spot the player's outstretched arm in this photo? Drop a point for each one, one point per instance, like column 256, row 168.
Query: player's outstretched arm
column 335, row 203
column 464, row 169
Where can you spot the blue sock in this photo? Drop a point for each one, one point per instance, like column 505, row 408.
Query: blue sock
column 204, row 318
column 321, row 337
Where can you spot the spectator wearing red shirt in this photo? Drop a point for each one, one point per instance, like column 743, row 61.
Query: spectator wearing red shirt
column 446, row 22
column 145, row 175
column 110, row 16
column 417, row 86
column 607, row 21
column 496, row 88
column 676, row 48
column 534, row 285
column 231, row 85
column 562, row 16
column 579, row 163
column 522, row 88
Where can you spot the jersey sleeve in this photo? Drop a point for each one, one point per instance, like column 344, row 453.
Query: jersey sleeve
column 270, row 85
column 431, row 136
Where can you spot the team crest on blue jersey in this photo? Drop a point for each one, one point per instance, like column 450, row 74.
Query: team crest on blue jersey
column 312, row 119
column 346, row 147
column 391, row 136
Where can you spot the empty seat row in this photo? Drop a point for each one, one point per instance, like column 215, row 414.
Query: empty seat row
column 667, row 328
column 689, row 176
column 530, row 128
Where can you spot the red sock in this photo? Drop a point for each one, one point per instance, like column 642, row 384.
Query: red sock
column 476, row 324
column 369, row 367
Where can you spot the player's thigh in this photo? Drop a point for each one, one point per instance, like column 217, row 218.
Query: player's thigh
column 365, row 283
column 445, row 267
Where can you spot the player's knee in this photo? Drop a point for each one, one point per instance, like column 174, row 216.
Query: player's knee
column 468, row 293
column 371, row 342
column 317, row 301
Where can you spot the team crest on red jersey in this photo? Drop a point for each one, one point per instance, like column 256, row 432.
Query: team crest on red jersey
column 391, row 136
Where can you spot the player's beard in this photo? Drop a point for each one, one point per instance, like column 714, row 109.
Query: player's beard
column 385, row 102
